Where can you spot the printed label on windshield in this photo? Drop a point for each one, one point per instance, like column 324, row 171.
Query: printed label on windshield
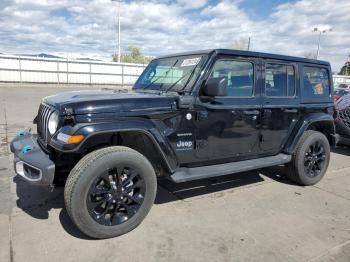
column 191, row 61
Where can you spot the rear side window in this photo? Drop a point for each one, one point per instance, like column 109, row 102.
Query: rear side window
column 316, row 82
column 279, row 80
column 239, row 75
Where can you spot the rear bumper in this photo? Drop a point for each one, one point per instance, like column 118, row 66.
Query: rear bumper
column 30, row 161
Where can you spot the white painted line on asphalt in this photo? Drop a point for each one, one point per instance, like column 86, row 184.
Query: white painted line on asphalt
column 333, row 250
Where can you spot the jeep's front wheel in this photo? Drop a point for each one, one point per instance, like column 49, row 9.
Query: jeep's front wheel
column 110, row 191
column 310, row 160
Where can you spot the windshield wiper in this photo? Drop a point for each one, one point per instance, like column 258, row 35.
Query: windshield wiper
column 161, row 77
column 184, row 76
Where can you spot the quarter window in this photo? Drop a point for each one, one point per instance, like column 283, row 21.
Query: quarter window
column 316, row 82
column 239, row 75
column 279, row 80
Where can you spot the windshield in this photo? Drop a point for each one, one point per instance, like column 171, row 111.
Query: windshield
column 171, row 74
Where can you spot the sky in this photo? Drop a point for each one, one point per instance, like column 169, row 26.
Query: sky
column 81, row 28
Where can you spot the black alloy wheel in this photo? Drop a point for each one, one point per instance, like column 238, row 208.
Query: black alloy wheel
column 310, row 160
column 315, row 159
column 115, row 196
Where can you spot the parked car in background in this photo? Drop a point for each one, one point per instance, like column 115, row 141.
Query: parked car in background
column 342, row 121
column 342, row 86
column 341, row 91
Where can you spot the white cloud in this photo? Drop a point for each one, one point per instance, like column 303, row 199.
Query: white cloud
column 193, row 4
column 298, row 20
column 160, row 27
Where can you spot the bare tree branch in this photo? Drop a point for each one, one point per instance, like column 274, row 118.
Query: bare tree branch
column 310, row 55
column 241, row 44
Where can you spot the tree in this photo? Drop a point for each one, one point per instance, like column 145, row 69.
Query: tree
column 310, row 55
column 134, row 55
column 241, row 44
column 345, row 70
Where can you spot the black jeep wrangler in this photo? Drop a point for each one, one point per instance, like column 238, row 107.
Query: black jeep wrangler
column 189, row 116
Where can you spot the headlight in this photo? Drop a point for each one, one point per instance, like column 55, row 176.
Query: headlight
column 53, row 123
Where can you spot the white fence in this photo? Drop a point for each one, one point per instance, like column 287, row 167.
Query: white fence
column 20, row 69
column 24, row 69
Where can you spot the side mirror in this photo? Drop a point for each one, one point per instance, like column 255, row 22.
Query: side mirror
column 216, row 86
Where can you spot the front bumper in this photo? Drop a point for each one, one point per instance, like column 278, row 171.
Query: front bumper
column 343, row 130
column 343, row 140
column 30, row 161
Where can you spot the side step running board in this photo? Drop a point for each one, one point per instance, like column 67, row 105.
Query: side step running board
column 184, row 174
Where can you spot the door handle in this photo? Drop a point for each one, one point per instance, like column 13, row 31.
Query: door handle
column 251, row 112
column 291, row 110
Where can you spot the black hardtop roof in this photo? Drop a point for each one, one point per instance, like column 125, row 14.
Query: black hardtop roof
column 249, row 53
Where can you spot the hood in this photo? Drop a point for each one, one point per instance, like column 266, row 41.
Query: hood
column 109, row 101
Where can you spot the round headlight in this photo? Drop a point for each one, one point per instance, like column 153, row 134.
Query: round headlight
column 53, row 123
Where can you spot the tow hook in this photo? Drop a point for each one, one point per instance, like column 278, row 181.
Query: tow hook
column 20, row 133
column 26, row 149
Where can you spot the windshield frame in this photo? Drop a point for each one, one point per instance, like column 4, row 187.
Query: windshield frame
column 190, row 82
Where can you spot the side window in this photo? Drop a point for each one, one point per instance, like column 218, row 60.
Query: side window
column 279, row 80
column 239, row 74
column 316, row 82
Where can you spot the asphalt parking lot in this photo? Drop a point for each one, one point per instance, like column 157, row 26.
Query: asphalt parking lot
column 255, row 216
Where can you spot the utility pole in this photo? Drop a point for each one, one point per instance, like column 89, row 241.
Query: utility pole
column 119, row 35
column 318, row 44
column 248, row 44
column 320, row 32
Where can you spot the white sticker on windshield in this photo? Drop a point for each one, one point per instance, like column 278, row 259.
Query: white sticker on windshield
column 191, row 61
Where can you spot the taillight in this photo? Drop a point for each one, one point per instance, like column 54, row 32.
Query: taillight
column 336, row 97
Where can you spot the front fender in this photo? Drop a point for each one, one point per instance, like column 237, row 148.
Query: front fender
column 95, row 132
column 319, row 119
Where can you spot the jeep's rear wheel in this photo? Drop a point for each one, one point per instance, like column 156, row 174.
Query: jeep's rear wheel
column 310, row 160
column 110, row 191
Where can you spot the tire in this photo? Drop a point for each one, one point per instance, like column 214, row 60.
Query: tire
column 122, row 184
column 298, row 169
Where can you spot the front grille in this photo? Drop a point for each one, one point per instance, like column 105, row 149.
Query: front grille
column 44, row 114
column 344, row 116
